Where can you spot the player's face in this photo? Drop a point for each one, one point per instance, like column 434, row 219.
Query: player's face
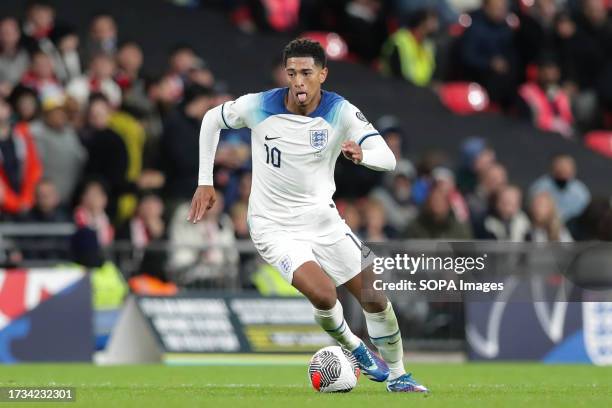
column 305, row 79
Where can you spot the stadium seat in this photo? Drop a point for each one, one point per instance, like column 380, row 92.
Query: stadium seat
column 334, row 45
column 600, row 141
column 464, row 98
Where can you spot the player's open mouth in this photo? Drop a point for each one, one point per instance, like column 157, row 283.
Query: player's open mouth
column 301, row 96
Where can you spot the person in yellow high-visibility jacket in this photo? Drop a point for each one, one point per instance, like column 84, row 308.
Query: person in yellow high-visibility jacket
column 409, row 53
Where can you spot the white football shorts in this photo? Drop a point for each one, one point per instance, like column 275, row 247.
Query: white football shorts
column 323, row 238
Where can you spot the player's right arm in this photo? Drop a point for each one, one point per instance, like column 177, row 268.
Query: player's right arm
column 230, row 115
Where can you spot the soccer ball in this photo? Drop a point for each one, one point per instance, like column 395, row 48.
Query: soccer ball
column 333, row 369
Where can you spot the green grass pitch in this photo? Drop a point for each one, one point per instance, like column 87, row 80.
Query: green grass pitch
column 452, row 385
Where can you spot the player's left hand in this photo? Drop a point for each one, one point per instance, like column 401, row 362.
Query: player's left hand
column 352, row 151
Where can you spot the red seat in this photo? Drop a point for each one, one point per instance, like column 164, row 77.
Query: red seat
column 335, row 47
column 464, row 98
column 600, row 141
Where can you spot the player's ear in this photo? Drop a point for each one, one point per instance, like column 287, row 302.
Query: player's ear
column 323, row 75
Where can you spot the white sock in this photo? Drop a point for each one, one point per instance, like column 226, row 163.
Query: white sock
column 332, row 321
column 385, row 335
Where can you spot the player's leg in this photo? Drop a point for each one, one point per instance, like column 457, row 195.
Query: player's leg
column 313, row 283
column 383, row 330
column 341, row 261
column 381, row 321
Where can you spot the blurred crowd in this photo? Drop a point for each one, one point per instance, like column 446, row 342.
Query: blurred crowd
column 546, row 61
column 88, row 138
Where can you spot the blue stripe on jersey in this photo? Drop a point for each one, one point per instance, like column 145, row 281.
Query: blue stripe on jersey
column 223, row 117
column 366, row 136
column 273, row 103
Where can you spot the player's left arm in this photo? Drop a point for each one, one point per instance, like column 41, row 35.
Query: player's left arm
column 372, row 153
column 364, row 145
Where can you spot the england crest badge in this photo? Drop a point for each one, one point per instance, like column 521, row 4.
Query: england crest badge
column 318, row 139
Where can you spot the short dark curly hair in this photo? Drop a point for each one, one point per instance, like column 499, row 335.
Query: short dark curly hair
column 302, row 47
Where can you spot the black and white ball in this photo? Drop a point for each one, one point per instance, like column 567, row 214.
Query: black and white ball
column 333, row 369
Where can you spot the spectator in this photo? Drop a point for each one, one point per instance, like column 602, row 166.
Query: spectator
column 395, row 197
column 102, row 35
column 128, row 77
column 25, row 104
column 99, row 79
column 491, row 181
column 376, row 228
column 90, row 212
column 204, row 251
column 161, row 102
column 545, row 102
column 436, row 220
column 506, row 221
column 444, row 179
column 133, row 135
column 147, row 227
column 595, row 21
column 67, row 61
column 62, row 154
column 102, row 144
column 180, row 143
column 410, row 52
column 363, row 25
column 476, row 157
column 39, row 24
column 570, row 194
column 595, row 29
column 581, row 61
column 536, row 32
column 147, row 224
column 40, row 74
column 396, row 138
column 161, row 92
column 422, row 184
column 489, row 53
column 14, row 59
column 20, row 168
column 187, row 68
column 546, row 226
column 48, row 208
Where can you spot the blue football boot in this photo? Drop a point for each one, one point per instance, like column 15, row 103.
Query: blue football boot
column 405, row 383
column 370, row 364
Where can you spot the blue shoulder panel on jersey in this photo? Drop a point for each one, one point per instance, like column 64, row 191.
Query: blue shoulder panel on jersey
column 273, row 103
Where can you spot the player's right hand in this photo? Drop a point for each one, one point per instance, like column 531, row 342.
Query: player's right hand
column 203, row 200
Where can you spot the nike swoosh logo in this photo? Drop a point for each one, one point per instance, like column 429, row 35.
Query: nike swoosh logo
column 395, row 342
column 271, row 138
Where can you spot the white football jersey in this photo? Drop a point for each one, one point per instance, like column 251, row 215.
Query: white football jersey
column 293, row 155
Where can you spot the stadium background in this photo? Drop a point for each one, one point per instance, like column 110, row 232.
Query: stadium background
column 216, row 264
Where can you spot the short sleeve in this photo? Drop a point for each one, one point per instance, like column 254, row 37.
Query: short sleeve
column 237, row 114
column 355, row 125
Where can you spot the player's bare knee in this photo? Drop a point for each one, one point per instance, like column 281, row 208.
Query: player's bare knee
column 324, row 298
